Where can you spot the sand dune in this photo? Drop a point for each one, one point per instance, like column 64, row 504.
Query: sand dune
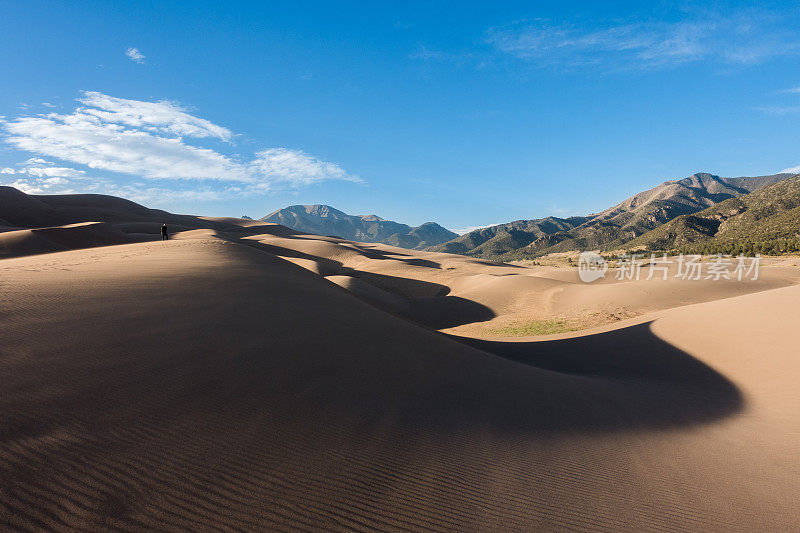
column 472, row 297
column 59, row 238
column 244, row 376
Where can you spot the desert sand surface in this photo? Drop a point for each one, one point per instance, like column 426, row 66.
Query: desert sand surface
column 243, row 376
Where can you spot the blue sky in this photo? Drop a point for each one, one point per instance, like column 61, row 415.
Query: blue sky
column 463, row 113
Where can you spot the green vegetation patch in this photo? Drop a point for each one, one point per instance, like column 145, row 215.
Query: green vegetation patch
column 535, row 327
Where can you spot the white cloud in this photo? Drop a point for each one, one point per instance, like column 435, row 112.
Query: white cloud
column 137, row 192
column 33, row 167
column 745, row 38
column 26, row 186
column 135, row 55
column 158, row 117
column 791, row 170
column 33, row 178
column 84, row 139
column 794, row 90
column 147, row 139
column 53, row 172
column 297, row 167
column 41, row 185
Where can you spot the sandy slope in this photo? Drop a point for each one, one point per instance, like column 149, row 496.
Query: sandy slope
column 204, row 383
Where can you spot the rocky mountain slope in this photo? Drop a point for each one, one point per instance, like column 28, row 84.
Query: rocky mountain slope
column 766, row 221
column 610, row 228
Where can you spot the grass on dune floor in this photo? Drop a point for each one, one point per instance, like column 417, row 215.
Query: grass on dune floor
column 536, row 327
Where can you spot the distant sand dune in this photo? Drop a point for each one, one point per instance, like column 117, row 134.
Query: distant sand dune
column 472, row 297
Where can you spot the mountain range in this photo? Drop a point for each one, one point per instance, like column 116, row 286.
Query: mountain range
column 612, row 228
column 325, row 220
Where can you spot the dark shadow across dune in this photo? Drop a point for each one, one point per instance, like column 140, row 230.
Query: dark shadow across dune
column 666, row 385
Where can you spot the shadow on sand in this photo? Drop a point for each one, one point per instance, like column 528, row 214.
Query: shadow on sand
column 428, row 303
column 618, row 380
column 633, row 377
column 625, row 378
column 639, row 380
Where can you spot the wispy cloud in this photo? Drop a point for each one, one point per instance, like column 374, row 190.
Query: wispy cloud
column 743, row 39
column 161, row 117
column 40, row 168
column 295, row 166
column 149, row 140
column 84, row 139
column 40, row 185
column 138, row 191
column 36, row 176
column 52, row 172
column 793, row 90
column 791, row 170
column 135, row 55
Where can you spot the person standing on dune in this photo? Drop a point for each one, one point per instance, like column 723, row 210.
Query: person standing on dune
column 164, row 234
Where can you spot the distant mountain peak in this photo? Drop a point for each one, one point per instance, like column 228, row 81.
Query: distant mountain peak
column 323, row 219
